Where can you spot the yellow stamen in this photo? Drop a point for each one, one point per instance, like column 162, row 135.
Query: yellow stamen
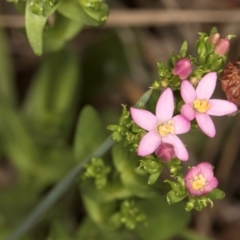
column 201, row 105
column 199, row 182
column 166, row 128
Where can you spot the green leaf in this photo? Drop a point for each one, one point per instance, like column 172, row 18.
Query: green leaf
column 127, row 163
column 15, row 139
column 98, row 212
column 90, row 133
column 216, row 194
column 173, row 197
column 34, row 27
column 63, row 30
column 164, row 221
column 52, row 101
column 58, row 231
column 89, row 230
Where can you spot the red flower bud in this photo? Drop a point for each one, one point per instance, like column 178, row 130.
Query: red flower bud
column 166, row 152
column 222, row 46
column 182, row 68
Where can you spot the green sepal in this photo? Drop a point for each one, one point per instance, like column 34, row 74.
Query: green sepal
column 202, row 58
column 43, row 7
column 151, row 165
column 78, row 11
column 217, row 65
column 213, row 31
column 216, row 194
column 201, row 47
column 34, row 27
column 175, row 82
column 230, row 36
column 212, row 58
column 96, row 10
column 184, row 47
column 176, row 187
column 174, row 197
column 153, row 177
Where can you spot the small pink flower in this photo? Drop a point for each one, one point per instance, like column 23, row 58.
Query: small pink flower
column 200, row 180
column 161, row 128
column 222, row 46
column 182, row 68
column 166, row 152
column 200, row 106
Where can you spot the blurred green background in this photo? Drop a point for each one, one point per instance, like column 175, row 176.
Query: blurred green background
column 41, row 103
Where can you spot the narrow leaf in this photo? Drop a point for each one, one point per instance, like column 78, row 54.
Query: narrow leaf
column 34, row 27
column 90, row 133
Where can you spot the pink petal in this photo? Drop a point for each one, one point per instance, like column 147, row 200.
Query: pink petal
column 206, row 124
column 144, row 118
column 165, row 106
column 193, row 171
column 188, row 112
column 181, row 124
column 179, row 148
column 210, row 185
column 206, row 86
column 207, row 170
column 188, row 92
column 149, row 143
column 221, row 107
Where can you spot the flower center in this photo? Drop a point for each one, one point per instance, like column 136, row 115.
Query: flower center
column 166, row 128
column 201, row 105
column 199, row 182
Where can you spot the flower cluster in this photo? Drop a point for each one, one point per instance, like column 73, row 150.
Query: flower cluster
column 155, row 127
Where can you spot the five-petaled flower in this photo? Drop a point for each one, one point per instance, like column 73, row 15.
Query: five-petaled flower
column 200, row 179
column 161, row 128
column 200, row 106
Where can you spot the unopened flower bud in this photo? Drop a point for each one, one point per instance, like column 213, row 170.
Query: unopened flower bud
column 222, row 46
column 214, row 38
column 151, row 166
column 194, row 81
column 166, row 152
column 182, row 68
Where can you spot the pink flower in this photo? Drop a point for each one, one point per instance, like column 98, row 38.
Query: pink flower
column 166, row 152
column 200, row 106
column 200, row 180
column 161, row 128
column 182, row 68
column 222, row 46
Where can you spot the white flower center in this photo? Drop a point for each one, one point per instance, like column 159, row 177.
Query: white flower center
column 165, row 128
